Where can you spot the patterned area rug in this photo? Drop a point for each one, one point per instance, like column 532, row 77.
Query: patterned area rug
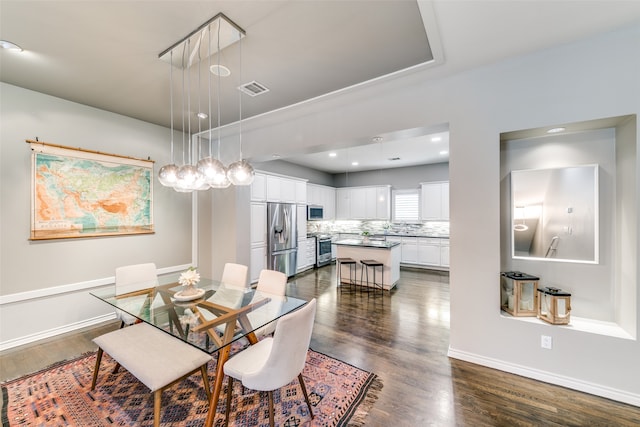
column 341, row 395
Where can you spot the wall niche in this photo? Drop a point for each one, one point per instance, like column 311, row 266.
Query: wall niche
column 603, row 284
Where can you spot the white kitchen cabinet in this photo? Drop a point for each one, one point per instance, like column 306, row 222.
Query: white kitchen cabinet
column 306, row 254
column 259, row 188
column 409, row 253
column 343, row 208
column 363, row 203
column 383, row 203
column 429, row 251
column 258, row 262
column 286, row 190
column 329, row 202
column 301, row 219
column 444, row 253
column 435, row 201
column 258, row 224
column 322, row 195
column 301, row 192
column 313, row 194
column 358, row 208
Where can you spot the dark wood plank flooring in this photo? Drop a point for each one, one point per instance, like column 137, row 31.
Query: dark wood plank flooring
column 403, row 337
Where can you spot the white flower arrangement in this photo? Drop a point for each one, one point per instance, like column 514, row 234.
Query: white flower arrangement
column 189, row 277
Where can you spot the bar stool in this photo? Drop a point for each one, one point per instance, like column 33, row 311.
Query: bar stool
column 372, row 263
column 352, row 272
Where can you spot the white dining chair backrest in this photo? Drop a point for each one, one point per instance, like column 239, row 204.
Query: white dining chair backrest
column 131, row 278
column 235, row 275
column 288, row 353
column 272, row 282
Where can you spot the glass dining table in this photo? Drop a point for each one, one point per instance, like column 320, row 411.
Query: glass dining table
column 211, row 322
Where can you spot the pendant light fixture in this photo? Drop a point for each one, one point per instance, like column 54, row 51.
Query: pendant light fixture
column 205, row 171
column 240, row 172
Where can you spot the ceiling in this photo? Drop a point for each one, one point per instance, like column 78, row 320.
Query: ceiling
column 105, row 53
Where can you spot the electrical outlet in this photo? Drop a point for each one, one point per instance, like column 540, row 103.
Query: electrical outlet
column 546, row 342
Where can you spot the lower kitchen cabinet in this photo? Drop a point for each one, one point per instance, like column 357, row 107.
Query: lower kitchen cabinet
column 423, row 251
column 429, row 252
column 306, row 254
column 444, row 253
column 258, row 262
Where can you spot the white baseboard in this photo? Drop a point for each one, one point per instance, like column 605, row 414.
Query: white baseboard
column 548, row 377
column 28, row 339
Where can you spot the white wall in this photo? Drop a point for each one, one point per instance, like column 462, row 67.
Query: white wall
column 586, row 80
column 44, row 285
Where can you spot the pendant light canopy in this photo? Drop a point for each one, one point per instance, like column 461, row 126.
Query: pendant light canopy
column 206, row 171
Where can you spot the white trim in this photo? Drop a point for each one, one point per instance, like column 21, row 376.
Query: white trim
column 74, row 287
column 28, row 339
column 548, row 377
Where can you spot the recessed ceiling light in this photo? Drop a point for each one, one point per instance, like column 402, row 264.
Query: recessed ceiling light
column 376, row 139
column 436, row 139
column 202, row 115
column 220, row 70
column 4, row 44
column 276, row 156
column 556, row 130
column 443, row 152
column 354, row 163
column 333, row 154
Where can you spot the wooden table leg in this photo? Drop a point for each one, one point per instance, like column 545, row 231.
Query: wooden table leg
column 223, row 356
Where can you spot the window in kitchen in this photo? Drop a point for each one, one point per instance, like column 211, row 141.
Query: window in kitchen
column 406, row 205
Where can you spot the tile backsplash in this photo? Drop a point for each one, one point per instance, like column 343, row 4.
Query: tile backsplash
column 427, row 228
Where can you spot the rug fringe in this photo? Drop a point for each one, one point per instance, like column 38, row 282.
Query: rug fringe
column 359, row 417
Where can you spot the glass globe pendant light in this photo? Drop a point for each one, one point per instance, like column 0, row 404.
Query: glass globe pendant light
column 168, row 174
column 240, row 172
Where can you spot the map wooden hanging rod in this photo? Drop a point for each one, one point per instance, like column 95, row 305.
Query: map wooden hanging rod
column 84, row 150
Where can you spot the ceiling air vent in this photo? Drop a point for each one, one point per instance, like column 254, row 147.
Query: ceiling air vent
column 253, row 88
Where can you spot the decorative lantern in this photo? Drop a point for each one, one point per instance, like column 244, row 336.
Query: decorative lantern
column 518, row 293
column 554, row 306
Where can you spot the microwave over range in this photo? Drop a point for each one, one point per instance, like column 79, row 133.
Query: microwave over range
column 315, row 213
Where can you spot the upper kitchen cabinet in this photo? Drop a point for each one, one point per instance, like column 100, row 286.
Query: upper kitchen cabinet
column 364, row 203
column 435, row 201
column 322, row 195
column 278, row 188
column 259, row 188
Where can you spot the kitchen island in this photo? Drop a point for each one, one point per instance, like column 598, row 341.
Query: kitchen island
column 388, row 253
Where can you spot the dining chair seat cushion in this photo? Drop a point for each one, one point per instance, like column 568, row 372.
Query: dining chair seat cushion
column 152, row 356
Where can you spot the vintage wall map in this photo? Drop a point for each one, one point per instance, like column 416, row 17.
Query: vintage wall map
column 81, row 193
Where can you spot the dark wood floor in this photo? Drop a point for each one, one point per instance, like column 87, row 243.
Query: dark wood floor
column 403, row 337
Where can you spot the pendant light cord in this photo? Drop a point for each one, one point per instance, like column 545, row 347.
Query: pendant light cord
column 171, row 100
column 240, row 99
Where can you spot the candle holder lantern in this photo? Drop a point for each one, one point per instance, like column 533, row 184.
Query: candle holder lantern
column 554, row 306
column 518, row 293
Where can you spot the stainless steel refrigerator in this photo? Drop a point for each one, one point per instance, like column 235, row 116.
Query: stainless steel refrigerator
column 282, row 240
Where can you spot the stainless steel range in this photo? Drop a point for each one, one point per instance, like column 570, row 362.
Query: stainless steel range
column 323, row 250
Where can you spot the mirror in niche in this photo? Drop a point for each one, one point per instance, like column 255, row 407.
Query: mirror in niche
column 555, row 214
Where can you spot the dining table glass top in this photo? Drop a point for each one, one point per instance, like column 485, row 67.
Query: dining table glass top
column 222, row 315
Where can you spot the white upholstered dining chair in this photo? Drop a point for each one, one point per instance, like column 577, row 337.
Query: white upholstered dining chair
column 131, row 278
column 230, row 293
column 271, row 284
column 275, row 361
column 235, row 275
